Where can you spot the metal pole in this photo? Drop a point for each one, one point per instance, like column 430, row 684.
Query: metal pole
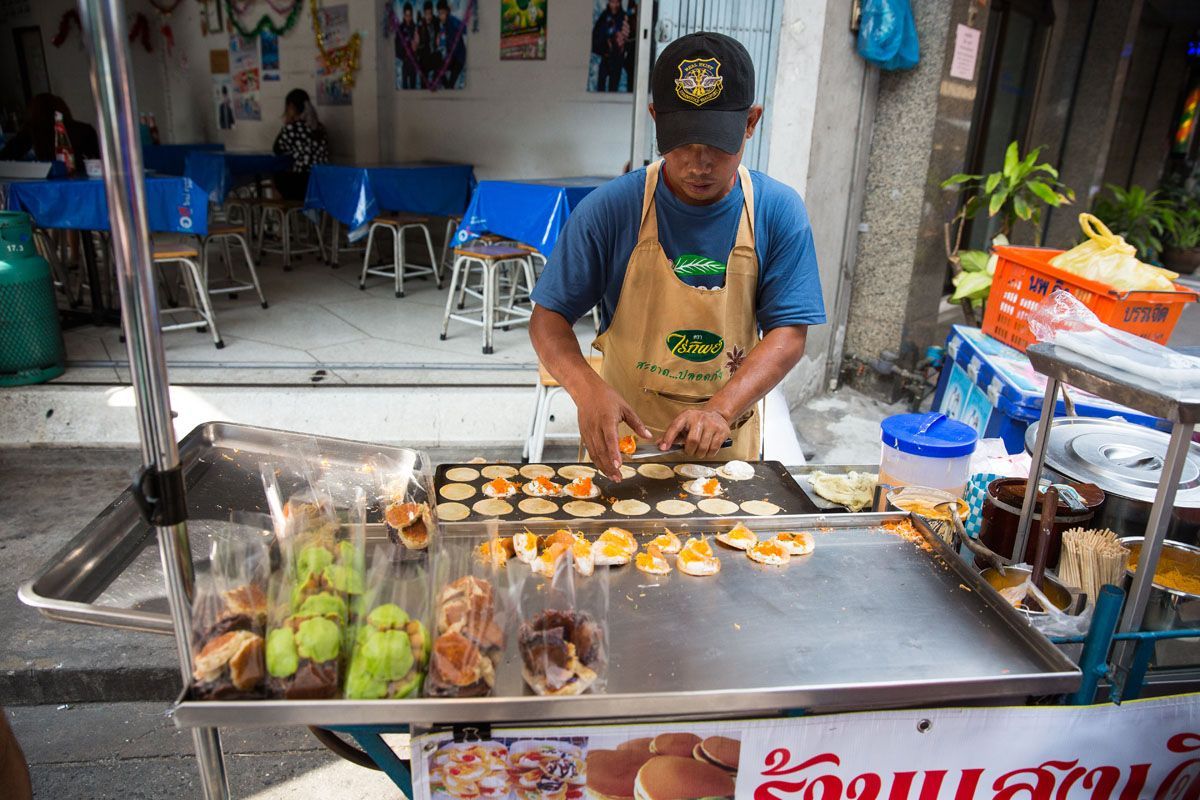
column 103, row 23
column 638, row 146
column 1156, row 528
column 1093, row 661
column 1049, row 401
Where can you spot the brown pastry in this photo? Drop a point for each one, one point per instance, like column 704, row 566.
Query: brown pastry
column 229, row 665
column 411, row 522
column 560, row 652
column 457, row 668
column 674, row 744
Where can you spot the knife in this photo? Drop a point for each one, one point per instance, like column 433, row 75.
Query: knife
column 651, row 450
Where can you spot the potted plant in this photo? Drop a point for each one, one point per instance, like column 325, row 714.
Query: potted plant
column 1139, row 217
column 1182, row 251
column 1018, row 192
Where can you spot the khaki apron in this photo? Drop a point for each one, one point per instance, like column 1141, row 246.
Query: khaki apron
column 671, row 346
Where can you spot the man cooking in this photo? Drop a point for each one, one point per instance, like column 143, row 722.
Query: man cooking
column 688, row 260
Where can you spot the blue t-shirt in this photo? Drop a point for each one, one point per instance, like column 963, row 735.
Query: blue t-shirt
column 587, row 266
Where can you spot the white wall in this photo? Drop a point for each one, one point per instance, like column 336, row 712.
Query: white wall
column 68, row 65
column 517, row 118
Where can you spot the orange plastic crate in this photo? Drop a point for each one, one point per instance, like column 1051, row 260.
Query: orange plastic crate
column 1024, row 278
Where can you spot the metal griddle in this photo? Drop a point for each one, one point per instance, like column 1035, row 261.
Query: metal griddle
column 868, row 621
column 771, row 482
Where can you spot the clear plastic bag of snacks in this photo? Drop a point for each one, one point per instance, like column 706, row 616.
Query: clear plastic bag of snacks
column 390, row 647
column 313, row 594
column 471, row 617
column 563, row 633
column 229, row 612
column 403, row 491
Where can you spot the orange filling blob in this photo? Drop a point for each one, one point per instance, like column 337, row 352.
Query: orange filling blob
column 581, row 487
column 628, row 445
column 501, row 486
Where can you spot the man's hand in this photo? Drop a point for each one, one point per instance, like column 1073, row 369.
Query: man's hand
column 706, row 431
column 601, row 408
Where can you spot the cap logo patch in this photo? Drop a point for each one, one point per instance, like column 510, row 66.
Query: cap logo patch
column 699, row 80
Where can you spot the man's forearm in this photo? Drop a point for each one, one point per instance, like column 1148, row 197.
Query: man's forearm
column 765, row 366
column 558, row 349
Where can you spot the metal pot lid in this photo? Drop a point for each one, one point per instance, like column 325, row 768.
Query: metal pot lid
column 1123, row 459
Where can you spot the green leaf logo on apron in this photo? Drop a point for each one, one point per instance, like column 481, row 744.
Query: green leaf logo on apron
column 695, row 345
column 697, row 265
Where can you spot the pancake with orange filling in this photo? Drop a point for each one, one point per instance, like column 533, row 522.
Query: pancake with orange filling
column 697, row 558
column 500, row 488
column 541, row 486
column 704, row 487
column 546, row 563
column 582, row 487
column 797, row 544
column 739, row 537
column 668, row 542
column 582, row 557
column 628, row 445
column 652, row 562
column 563, row 536
column 497, row 551
column 769, row 552
column 622, row 537
column 525, row 546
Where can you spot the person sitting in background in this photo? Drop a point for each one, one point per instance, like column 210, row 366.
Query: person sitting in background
column 303, row 138
column 35, row 141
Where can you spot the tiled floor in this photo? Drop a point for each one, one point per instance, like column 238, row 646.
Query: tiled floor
column 320, row 327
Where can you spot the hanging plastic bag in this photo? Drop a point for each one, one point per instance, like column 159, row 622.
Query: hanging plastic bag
column 887, row 34
column 1107, row 258
column 1064, row 321
column 1052, row 621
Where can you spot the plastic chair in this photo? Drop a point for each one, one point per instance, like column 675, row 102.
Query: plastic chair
column 400, row 268
column 544, row 393
column 490, row 314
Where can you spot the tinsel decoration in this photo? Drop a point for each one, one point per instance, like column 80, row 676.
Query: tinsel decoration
column 164, row 10
column 69, row 17
column 140, row 32
column 265, row 23
column 345, row 59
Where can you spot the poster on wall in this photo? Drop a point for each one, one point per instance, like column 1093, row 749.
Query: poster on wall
column 430, row 38
column 223, row 101
column 335, row 23
column 244, row 63
column 613, row 48
column 270, row 55
column 523, row 30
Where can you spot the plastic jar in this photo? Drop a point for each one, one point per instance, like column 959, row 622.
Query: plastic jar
column 926, row 450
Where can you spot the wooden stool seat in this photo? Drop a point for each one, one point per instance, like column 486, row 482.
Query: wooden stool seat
column 491, row 252
column 226, row 229
column 548, row 380
column 399, row 220
column 176, row 252
column 279, row 202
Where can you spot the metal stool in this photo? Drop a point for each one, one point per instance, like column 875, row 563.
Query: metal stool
column 489, row 258
column 545, row 391
column 452, row 224
column 399, row 225
column 224, row 231
column 286, row 210
column 194, row 284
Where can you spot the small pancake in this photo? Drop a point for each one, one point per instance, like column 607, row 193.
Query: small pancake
column 639, row 745
column 611, row 774
column 760, row 508
column 675, row 508
column 539, row 519
column 498, row 471
column 736, row 471
column 478, row 460
column 493, row 507
column 537, row 505
column 462, row 474
column 674, row 744
column 722, row 751
column 452, row 512
column 682, row 778
column 694, row 471
column 627, row 472
column 718, row 506
column 583, row 508
column 532, row 471
column 457, row 491
column 573, row 471
column 658, row 472
column 630, row 508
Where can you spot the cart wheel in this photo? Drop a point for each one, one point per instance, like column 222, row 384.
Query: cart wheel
column 342, row 748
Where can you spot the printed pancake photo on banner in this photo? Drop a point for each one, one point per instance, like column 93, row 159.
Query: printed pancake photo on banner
column 430, row 38
column 613, row 49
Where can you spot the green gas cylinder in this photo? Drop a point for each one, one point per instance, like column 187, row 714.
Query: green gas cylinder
column 31, row 342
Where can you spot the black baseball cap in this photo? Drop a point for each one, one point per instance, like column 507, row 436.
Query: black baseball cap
column 703, row 87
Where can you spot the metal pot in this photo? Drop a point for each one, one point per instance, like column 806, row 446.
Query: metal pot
column 1068, row 599
column 1167, row 609
column 1126, row 461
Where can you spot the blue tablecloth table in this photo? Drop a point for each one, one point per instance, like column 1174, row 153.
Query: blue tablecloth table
column 219, row 172
column 170, row 159
column 532, row 212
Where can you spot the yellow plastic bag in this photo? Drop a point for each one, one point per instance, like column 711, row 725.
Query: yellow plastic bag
column 1107, row 258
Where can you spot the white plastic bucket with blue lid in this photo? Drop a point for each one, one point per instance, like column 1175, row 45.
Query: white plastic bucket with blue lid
column 926, row 450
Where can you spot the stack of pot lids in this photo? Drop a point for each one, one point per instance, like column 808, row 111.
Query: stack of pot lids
column 1123, row 459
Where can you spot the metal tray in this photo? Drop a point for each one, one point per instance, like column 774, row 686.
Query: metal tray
column 771, row 482
column 110, row 573
column 869, row 620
